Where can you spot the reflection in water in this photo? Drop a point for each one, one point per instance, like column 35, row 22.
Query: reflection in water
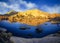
column 56, row 21
column 28, row 31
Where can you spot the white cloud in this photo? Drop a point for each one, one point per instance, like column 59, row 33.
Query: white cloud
column 31, row 5
column 21, row 5
column 17, row 6
column 51, row 9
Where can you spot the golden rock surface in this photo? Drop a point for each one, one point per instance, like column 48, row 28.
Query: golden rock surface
column 31, row 17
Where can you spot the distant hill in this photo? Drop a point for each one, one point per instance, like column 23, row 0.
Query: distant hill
column 31, row 17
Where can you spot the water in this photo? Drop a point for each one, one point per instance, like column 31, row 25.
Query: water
column 47, row 28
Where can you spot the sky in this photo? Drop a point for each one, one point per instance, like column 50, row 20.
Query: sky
column 51, row 6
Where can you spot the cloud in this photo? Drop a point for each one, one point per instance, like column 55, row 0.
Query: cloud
column 51, row 9
column 19, row 5
column 31, row 5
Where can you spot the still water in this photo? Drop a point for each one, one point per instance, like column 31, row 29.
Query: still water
column 30, row 31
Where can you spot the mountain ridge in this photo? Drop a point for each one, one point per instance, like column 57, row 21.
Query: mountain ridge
column 31, row 17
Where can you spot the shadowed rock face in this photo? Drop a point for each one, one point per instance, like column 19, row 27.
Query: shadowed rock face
column 4, row 36
column 4, row 19
column 56, row 19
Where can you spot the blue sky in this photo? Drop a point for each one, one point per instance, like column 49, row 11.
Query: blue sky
column 51, row 6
